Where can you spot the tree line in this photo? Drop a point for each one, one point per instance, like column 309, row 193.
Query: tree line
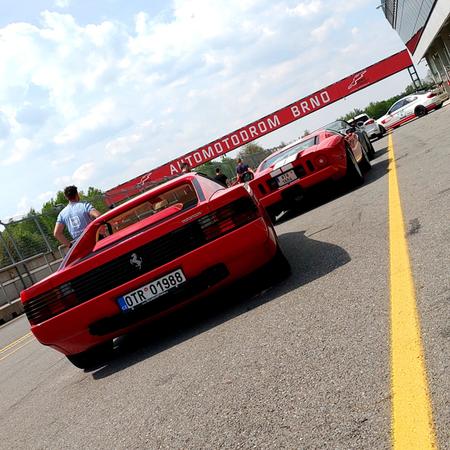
column 33, row 233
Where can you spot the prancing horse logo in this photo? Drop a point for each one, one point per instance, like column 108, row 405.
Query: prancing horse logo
column 136, row 261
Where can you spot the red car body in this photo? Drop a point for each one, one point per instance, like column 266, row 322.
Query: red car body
column 191, row 224
column 284, row 176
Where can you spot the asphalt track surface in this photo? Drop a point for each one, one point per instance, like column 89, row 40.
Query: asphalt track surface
column 304, row 364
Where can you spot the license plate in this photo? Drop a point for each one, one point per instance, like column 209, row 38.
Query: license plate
column 286, row 178
column 152, row 290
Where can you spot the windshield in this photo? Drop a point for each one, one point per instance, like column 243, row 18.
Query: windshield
column 339, row 125
column 288, row 152
column 360, row 119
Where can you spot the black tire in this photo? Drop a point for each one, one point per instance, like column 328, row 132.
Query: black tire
column 273, row 212
column 370, row 149
column 382, row 132
column 365, row 163
column 420, row 111
column 354, row 175
column 93, row 357
column 278, row 267
column 439, row 106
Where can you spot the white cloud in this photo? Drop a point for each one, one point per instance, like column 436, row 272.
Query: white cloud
column 21, row 150
column 331, row 24
column 99, row 116
column 81, row 177
column 84, row 173
column 350, row 49
column 107, row 97
column 23, row 206
column 305, row 9
column 123, row 144
column 63, row 160
column 45, row 196
column 62, row 3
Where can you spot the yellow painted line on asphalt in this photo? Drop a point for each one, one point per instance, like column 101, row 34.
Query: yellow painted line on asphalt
column 14, row 343
column 14, row 350
column 412, row 420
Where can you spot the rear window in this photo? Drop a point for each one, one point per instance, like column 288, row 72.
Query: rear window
column 288, row 152
column 361, row 119
column 154, row 209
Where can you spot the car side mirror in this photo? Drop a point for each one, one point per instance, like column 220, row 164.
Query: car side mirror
column 247, row 176
column 350, row 130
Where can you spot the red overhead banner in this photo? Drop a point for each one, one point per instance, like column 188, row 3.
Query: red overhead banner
column 284, row 116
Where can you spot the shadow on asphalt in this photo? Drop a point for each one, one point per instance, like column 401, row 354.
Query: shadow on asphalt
column 329, row 191
column 310, row 259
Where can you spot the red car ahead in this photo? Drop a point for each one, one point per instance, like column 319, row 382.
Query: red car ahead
column 328, row 154
column 175, row 243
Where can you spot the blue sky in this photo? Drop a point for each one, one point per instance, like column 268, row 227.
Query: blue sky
column 94, row 93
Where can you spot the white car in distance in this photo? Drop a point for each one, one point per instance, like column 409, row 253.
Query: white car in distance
column 369, row 125
column 412, row 106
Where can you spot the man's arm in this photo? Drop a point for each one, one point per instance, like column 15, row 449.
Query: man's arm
column 94, row 213
column 58, row 232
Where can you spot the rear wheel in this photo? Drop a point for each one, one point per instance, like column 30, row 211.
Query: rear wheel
column 370, row 149
column 382, row 132
column 278, row 268
column 354, row 176
column 93, row 357
column 420, row 111
column 439, row 106
column 365, row 163
column 273, row 212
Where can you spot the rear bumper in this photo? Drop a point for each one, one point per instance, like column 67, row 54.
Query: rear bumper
column 372, row 130
column 334, row 172
column 207, row 269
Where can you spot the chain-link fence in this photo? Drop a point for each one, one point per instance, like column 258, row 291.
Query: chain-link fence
column 24, row 238
column 29, row 251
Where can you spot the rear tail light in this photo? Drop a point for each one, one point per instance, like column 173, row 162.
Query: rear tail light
column 370, row 122
column 50, row 304
column 431, row 95
column 321, row 161
column 228, row 218
column 384, row 121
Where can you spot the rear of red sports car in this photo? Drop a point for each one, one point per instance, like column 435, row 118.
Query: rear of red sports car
column 171, row 245
column 283, row 177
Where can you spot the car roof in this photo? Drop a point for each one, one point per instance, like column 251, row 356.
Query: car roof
column 294, row 143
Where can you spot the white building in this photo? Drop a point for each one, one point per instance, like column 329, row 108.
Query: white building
column 424, row 27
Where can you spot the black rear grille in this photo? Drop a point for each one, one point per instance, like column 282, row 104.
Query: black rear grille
column 150, row 256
